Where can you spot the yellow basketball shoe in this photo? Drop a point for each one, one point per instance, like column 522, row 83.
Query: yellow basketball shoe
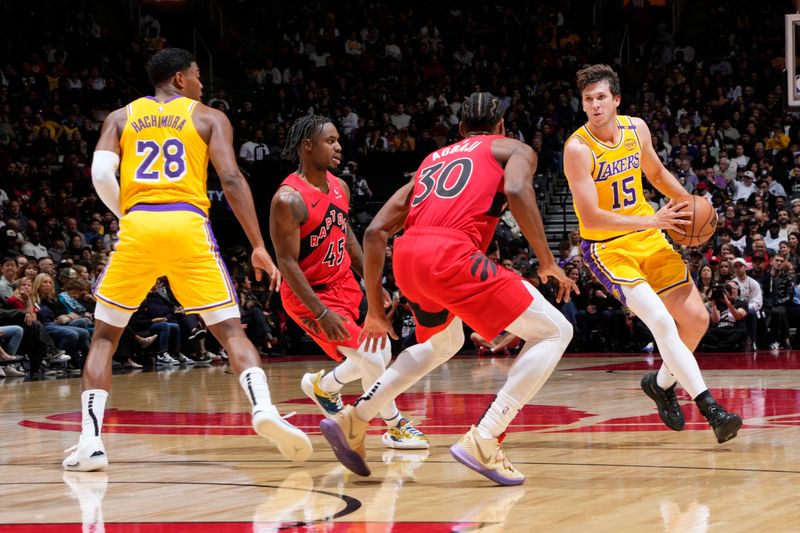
column 329, row 403
column 405, row 436
column 486, row 457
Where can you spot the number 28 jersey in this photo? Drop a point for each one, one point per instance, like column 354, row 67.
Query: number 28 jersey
column 460, row 187
column 617, row 175
column 164, row 159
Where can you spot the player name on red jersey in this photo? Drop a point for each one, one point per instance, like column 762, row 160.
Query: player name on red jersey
column 463, row 146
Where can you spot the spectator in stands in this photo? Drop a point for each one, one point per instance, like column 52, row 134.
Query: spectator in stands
column 749, row 291
column 777, row 295
column 728, row 314
column 9, row 271
column 64, row 326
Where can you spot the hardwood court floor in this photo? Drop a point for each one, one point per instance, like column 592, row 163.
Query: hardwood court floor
column 183, row 457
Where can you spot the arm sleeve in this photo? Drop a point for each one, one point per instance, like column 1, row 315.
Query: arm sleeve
column 104, row 178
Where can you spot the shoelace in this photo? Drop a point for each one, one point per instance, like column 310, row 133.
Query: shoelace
column 499, row 455
column 672, row 399
column 406, row 426
column 71, row 449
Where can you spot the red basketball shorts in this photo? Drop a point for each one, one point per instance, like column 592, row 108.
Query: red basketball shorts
column 443, row 274
column 343, row 297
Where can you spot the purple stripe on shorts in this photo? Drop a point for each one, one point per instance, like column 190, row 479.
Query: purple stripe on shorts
column 221, row 262
column 176, row 206
column 602, row 277
column 112, row 302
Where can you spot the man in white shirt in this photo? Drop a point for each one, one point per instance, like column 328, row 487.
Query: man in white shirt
column 9, row 271
column 751, row 292
column 254, row 151
column 743, row 189
column 400, row 119
column 349, row 121
column 33, row 247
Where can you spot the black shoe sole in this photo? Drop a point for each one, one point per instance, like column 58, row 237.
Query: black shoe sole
column 661, row 413
column 729, row 430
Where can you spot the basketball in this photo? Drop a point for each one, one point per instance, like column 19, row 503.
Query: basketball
column 704, row 222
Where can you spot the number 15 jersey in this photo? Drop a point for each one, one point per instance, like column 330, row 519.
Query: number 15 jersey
column 617, row 175
column 460, row 187
column 164, row 159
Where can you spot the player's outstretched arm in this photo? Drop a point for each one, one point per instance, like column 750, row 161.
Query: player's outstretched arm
column 287, row 213
column 578, row 162
column 387, row 222
column 237, row 191
column 519, row 161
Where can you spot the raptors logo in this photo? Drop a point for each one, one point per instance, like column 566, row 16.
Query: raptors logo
column 486, row 266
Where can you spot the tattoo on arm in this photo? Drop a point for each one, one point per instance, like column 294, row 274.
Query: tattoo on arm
column 297, row 207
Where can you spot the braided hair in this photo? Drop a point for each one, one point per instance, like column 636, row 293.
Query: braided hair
column 481, row 112
column 305, row 127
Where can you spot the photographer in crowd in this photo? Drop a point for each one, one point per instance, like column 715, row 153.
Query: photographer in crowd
column 728, row 311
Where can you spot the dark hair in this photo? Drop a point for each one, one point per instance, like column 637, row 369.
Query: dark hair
column 165, row 63
column 597, row 73
column 306, row 127
column 481, row 112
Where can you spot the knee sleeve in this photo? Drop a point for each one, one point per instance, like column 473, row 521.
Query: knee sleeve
column 541, row 321
column 447, row 342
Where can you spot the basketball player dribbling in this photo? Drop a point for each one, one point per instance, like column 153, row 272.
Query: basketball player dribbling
column 317, row 253
column 449, row 212
column 626, row 250
column 162, row 145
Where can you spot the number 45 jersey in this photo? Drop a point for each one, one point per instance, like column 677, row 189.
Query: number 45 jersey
column 460, row 187
column 323, row 254
column 171, row 160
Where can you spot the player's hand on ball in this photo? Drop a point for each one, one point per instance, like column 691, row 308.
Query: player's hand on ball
column 375, row 330
column 565, row 284
column 262, row 262
column 672, row 216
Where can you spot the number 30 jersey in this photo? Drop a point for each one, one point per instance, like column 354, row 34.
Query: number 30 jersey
column 164, row 159
column 323, row 256
column 460, row 187
column 617, row 175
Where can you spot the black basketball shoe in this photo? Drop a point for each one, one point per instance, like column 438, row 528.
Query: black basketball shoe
column 724, row 424
column 667, row 402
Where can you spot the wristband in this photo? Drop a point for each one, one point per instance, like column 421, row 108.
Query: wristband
column 322, row 314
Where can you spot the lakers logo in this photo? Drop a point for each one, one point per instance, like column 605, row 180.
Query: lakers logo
column 630, row 144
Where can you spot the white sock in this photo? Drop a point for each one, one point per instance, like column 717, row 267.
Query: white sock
column 393, row 420
column 254, row 383
column 93, row 405
column 665, row 379
column 647, row 305
column 499, row 415
column 343, row 373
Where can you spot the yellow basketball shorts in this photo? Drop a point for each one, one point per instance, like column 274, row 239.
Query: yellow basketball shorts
column 638, row 257
column 172, row 240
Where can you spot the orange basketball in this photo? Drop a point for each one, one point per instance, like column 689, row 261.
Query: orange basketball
column 704, row 222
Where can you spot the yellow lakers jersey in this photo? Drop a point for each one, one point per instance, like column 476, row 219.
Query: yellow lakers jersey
column 164, row 159
column 617, row 175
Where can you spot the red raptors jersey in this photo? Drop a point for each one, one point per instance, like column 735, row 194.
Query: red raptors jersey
column 323, row 253
column 460, row 187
